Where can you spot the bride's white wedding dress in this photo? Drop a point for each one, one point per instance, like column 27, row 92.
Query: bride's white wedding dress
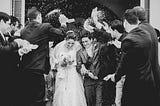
column 69, row 90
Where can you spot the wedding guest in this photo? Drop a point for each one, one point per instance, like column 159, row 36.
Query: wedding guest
column 35, row 64
column 7, row 66
column 53, row 18
column 139, row 86
column 118, row 34
column 141, row 15
column 15, row 25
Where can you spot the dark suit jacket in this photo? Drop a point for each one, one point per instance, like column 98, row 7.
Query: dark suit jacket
column 154, row 49
column 101, row 64
column 7, row 53
column 8, row 68
column 136, row 64
column 40, row 34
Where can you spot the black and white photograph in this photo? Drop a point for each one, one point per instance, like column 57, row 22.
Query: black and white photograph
column 80, row 52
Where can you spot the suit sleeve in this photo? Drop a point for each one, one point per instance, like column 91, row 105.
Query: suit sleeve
column 123, row 66
column 9, row 47
column 58, row 31
column 56, row 34
column 113, row 55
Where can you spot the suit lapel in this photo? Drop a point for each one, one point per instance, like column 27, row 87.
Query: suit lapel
column 2, row 40
column 95, row 50
column 84, row 56
column 2, row 36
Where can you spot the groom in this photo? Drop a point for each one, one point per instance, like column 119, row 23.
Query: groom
column 35, row 64
column 94, row 61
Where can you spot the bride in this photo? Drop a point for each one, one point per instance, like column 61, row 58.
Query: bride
column 69, row 89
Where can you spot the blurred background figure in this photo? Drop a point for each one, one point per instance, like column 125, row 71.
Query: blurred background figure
column 15, row 26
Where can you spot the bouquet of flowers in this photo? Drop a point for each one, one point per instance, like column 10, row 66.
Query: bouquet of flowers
column 66, row 61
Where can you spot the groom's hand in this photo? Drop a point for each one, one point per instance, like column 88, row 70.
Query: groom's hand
column 84, row 70
column 92, row 76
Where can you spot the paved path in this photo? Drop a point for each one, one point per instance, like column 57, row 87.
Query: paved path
column 49, row 104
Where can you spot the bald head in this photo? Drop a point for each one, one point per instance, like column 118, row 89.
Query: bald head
column 140, row 12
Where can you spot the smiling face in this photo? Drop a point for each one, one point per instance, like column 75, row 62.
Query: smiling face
column 70, row 43
column 86, row 42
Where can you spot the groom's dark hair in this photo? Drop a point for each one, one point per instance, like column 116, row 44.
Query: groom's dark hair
column 86, row 34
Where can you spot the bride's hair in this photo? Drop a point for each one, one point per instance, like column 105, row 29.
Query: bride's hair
column 70, row 35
